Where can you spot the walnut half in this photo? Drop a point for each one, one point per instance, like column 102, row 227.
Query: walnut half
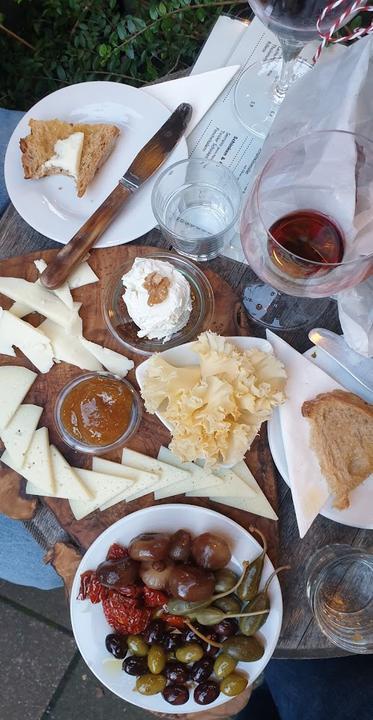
column 157, row 286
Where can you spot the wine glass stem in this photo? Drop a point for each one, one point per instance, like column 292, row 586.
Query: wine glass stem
column 290, row 53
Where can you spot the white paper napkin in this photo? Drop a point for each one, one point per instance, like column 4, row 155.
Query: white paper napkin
column 200, row 91
column 305, row 380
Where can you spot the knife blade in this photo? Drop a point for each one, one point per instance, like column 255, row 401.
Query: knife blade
column 336, row 347
column 146, row 162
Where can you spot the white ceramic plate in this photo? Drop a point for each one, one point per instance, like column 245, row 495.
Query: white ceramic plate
column 360, row 512
column 88, row 621
column 184, row 355
column 50, row 205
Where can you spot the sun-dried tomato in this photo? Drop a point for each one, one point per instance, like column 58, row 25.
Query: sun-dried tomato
column 131, row 591
column 91, row 588
column 117, row 552
column 154, row 598
column 123, row 616
column 174, row 620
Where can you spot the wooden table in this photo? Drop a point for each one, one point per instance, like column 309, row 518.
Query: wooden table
column 300, row 637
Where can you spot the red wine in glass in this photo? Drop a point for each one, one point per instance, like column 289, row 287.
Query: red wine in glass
column 307, row 242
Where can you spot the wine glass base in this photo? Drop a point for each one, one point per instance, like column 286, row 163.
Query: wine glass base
column 255, row 104
column 278, row 311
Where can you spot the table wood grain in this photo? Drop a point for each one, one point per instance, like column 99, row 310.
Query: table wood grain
column 300, row 637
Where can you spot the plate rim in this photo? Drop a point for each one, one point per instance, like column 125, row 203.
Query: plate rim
column 12, row 146
column 172, row 507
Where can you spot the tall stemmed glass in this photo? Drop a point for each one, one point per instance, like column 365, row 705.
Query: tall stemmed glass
column 262, row 87
column 307, row 227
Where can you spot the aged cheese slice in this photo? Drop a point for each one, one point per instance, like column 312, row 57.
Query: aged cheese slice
column 114, row 362
column 37, row 465
column 259, row 504
column 167, row 474
column 199, row 477
column 69, row 484
column 15, row 382
column 63, row 292
column 231, row 485
column 102, row 486
column 17, row 435
column 82, row 275
column 31, row 341
column 139, row 478
column 67, row 347
column 38, row 298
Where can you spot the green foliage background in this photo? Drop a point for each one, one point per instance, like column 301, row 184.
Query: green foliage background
column 59, row 42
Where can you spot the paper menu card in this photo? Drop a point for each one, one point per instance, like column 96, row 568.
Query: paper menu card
column 305, row 380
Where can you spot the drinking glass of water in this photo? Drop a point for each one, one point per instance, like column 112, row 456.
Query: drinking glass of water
column 197, row 206
column 340, row 592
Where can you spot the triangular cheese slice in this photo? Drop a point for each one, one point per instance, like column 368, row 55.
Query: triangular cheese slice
column 305, row 380
column 15, row 382
column 37, row 466
column 68, row 348
column 33, row 343
column 17, row 435
column 69, row 484
column 113, row 362
column 38, row 298
column 102, row 486
column 259, row 504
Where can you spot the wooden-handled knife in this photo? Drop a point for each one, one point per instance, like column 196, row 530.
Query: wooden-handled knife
column 148, row 160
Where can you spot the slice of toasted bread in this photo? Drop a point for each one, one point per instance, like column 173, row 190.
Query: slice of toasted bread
column 38, row 146
column 342, row 438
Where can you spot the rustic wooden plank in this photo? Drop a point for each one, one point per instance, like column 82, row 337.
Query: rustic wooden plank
column 300, row 637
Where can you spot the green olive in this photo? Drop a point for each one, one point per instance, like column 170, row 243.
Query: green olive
column 233, row 684
column 137, row 645
column 246, row 649
column 156, row 659
column 225, row 580
column 189, row 653
column 224, row 665
column 150, row 684
column 229, row 604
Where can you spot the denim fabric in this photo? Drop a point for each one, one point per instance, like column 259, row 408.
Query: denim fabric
column 21, row 558
column 336, row 689
column 8, row 121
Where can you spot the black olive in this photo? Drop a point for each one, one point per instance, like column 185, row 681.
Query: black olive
column 155, row 632
column 172, row 640
column 135, row 665
column 206, row 692
column 176, row 672
column 226, row 628
column 176, row 694
column 116, row 645
column 201, row 670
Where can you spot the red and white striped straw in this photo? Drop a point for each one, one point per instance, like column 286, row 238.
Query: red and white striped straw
column 327, row 36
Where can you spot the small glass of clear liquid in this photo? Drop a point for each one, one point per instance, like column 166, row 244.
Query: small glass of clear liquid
column 340, row 592
column 197, row 205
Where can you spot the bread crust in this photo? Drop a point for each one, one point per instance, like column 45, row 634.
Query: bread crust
column 38, row 146
column 342, row 438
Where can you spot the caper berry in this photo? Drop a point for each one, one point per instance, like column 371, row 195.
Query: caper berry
column 246, row 649
column 225, row 579
column 233, row 684
column 191, row 652
column 229, row 604
column 150, row 684
column 137, row 645
column 224, row 665
column 156, row 659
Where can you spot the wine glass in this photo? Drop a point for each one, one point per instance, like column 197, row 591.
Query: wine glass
column 307, row 227
column 261, row 89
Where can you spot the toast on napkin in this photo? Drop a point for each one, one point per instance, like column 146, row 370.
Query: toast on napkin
column 342, row 438
column 38, row 146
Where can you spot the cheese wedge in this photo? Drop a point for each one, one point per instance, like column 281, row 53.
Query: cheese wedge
column 258, row 505
column 199, row 478
column 139, row 478
column 102, row 486
column 231, row 485
column 113, row 362
column 63, row 292
column 37, row 298
column 37, row 466
column 15, row 382
column 17, row 435
column 33, row 343
column 68, row 348
column 68, row 483
column 82, row 275
column 167, row 474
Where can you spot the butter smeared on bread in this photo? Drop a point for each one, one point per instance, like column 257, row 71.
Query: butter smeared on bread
column 39, row 147
column 342, row 438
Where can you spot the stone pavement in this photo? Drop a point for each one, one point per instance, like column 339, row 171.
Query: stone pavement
column 42, row 675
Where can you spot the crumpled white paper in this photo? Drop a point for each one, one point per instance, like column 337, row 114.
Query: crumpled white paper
column 336, row 95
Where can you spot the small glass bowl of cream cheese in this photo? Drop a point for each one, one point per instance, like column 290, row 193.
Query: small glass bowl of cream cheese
column 157, row 301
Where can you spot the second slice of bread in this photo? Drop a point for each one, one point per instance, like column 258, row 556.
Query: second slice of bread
column 342, row 437
column 38, row 146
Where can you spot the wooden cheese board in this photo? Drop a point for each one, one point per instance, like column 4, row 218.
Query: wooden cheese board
column 229, row 320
